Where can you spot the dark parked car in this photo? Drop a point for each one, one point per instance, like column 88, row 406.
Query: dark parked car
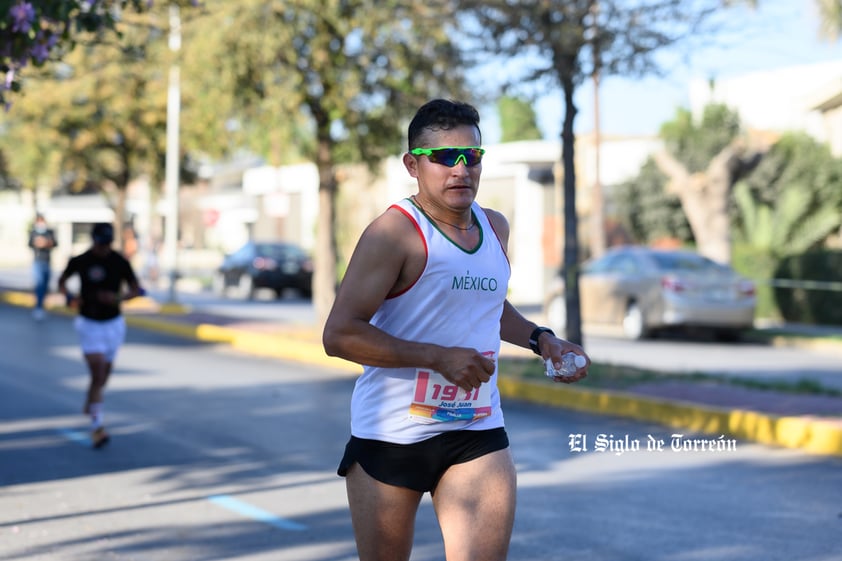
column 274, row 265
column 645, row 290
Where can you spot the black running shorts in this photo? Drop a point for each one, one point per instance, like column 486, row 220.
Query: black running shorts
column 420, row 465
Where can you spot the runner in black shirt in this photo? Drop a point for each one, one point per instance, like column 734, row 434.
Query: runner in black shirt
column 100, row 325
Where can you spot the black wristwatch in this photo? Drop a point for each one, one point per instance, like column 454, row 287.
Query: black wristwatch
column 533, row 339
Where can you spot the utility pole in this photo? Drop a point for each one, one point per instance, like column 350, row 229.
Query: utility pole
column 172, row 154
column 597, row 217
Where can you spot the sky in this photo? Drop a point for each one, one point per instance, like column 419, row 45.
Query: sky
column 778, row 34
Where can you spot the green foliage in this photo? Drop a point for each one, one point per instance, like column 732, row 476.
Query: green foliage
column 797, row 161
column 785, row 210
column 612, row 376
column 759, row 265
column 807, row 304
column 35, row 32
column 331, row 80
column 647, row 211
column 517, row 120
column 7, row 182
column 97, row 117
column 793, row 200
column 789, row 226
column 295, row 75
column 695, row 144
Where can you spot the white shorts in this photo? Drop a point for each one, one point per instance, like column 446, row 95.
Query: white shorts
column 101, row 337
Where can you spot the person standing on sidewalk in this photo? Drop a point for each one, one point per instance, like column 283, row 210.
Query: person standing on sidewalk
column 423, row 308
column 103, row 274
column 42, row 240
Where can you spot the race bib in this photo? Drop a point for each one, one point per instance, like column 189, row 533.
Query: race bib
column 437, row 400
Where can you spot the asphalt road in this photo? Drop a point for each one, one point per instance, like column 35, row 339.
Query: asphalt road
column 218, row 455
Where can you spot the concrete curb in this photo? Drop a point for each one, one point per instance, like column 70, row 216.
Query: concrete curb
column 810, row 434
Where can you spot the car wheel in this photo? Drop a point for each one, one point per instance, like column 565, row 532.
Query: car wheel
column 556, row 314
column 634, row 326
column 246, row 287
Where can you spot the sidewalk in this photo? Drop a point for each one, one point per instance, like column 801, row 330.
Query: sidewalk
column 809, row 422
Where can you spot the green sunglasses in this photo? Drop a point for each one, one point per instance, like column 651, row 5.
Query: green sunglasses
column 451, row 155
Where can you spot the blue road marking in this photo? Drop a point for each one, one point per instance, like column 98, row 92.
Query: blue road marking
column 255, row 513
column 76, row 436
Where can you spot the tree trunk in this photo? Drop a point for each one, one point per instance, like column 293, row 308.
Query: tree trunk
column 120, row 218
column 571, row 237
column 704, row 198
column 324, row 275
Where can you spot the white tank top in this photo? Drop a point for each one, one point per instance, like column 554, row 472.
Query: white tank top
column 457, row 301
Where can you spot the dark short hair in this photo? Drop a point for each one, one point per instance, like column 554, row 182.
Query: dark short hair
column 102, row 233
column 441, row 114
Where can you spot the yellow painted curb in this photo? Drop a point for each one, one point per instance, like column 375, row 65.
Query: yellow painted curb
column 807, row 343
column 201, row 332
column 23, row 299
column 266, row 345
column 807, row 433
column 139, row 304
column 290, row 348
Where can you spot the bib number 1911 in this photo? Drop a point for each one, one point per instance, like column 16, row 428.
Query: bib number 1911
column 437, row 400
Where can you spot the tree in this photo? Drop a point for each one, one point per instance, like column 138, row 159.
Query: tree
column 830, row 18
column 98, row 117
column 703, row 161
column 356, row 70
column 561, row 43
column 647, row 211
column 517, row 120
column 37, row 32
column 792, row 201
column 7, row 181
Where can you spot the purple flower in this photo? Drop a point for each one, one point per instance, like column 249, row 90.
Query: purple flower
column 22, row 14
column 44, row 43
column 40, row 52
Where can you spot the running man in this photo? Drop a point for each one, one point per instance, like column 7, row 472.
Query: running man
column 423, row 308
column 103, row 274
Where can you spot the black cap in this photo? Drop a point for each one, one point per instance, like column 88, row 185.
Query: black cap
column 103, row 233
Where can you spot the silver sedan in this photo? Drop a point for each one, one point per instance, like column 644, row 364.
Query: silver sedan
column 646, row 289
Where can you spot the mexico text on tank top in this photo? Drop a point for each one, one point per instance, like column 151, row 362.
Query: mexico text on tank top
column 457, row 302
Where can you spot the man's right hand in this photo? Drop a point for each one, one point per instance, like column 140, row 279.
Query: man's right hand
column 467, row 368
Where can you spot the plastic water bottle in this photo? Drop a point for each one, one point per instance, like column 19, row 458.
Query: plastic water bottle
column 570, row 363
